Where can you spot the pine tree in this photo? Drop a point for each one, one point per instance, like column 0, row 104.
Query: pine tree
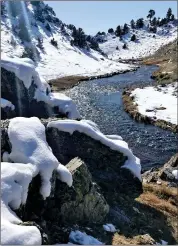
column 151, row 13
column 132, row 23
column 154, row 21
column 172, row 17
column 3, row 10
column 110, row 30
column 158, row 21
column 169, row 13
column 124, row 46
column 118, row 31
column 163, row 22
column 125, row 29
column 139, row 23
column 133, row 38
column 35, row 3
column 48, row 27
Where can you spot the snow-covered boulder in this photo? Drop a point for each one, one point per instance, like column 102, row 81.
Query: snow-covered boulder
column 107, row 159
column 30, row 94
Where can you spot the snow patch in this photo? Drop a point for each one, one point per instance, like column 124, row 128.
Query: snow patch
column 29, row 145
column 90, row 129
column 15, row 180
column 78, row 237
column 5, row 103
column 25, row 70
column 146, row 44
column 64, row 103
column 157, row 102
column 109, row 228
column 175, row 173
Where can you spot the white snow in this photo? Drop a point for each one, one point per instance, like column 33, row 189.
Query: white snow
column 152, row 98
column 29, row 145
column 64, row 103
column 109, row 228
column 25, row 70
column 6, row 103
column 15, row 179
column 64, row 175
column 145, row 45
column 83, row 239
column 175, row 173
column 55, row 62
column 162, row 243
column 91, row 129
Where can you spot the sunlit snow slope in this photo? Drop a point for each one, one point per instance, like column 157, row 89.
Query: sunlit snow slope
column 146, row 44
column 53, row 62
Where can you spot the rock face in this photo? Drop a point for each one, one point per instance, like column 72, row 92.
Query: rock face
column 103, row 163
column 164, row 173
column 83, row 202
column 13, row 89
column 97, row 180
column 7, row 113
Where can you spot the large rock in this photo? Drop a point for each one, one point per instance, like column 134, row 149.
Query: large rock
column 82, row 202
column 13, row 89
column 103, row 163
column 7, row 113
column 163, row 173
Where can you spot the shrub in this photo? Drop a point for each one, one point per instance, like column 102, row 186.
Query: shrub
column 48, row 27
column 54, row 42
column 133, row 38
column 124, row 46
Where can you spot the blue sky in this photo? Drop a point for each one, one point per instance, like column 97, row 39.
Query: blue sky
column 94, row 16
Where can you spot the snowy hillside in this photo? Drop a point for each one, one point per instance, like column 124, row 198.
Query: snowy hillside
column 35, row 40
column 146, row 42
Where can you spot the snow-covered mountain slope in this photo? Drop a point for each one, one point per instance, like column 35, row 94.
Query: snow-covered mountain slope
column 146, row 43
column 51, row 61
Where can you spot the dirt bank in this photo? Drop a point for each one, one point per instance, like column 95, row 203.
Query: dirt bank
column 131, row 108
column 166, row 59
column 68, row 82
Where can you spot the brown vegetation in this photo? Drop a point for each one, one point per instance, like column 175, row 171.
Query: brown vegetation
column 166, row 59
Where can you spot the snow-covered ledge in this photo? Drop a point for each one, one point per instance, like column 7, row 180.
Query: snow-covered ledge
column 112, row 141
column 25, row 70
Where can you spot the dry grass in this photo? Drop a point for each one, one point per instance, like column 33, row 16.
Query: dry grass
column 161, row 189
column 66, row 82
column 152, row 200
column 166, row 59
column 137, row 240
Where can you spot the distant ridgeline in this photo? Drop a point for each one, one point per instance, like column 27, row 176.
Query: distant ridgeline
column 38, row 14
column 150, row 25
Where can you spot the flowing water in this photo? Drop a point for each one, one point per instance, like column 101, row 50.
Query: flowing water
column 100, row 100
